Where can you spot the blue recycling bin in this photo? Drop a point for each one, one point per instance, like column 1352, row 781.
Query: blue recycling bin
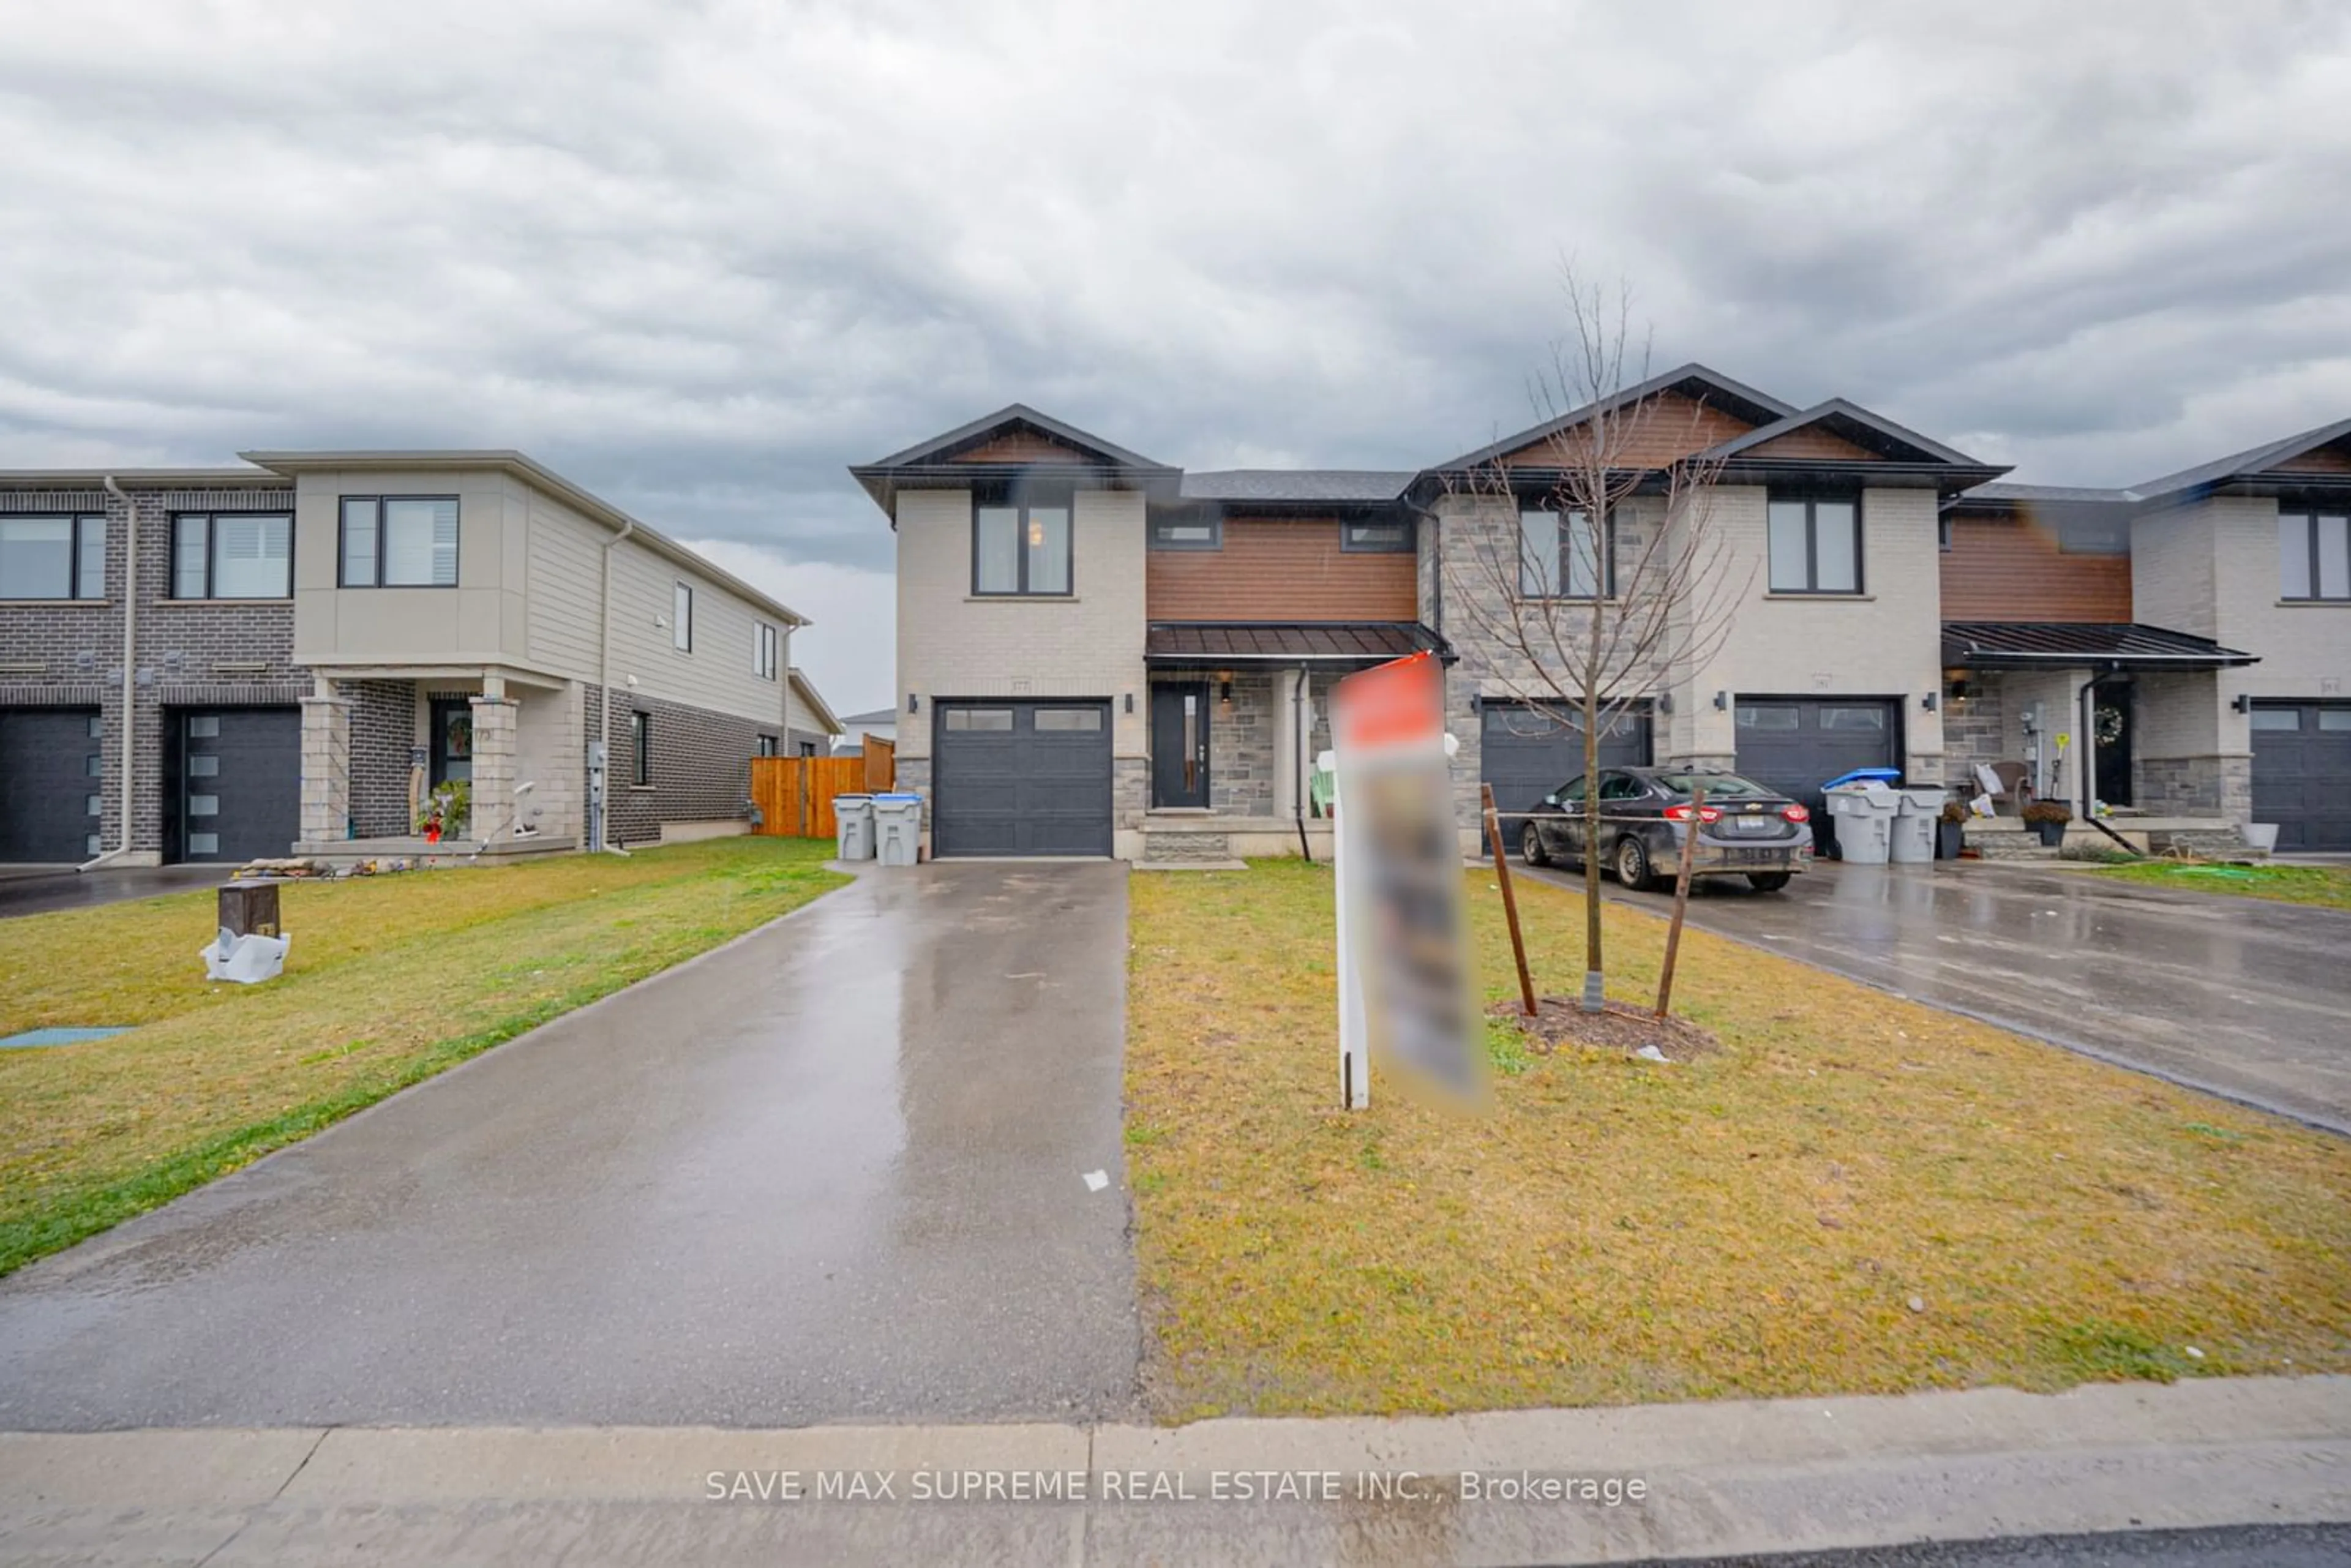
column 897, row 828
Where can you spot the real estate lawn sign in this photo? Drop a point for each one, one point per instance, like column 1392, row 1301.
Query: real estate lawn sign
column 1402, row 947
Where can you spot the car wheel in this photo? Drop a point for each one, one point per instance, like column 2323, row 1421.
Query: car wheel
column 1767, row 880
column 1632, row 865
column 1530, row 846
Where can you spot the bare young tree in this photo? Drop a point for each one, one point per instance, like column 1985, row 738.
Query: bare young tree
column 1640, row 586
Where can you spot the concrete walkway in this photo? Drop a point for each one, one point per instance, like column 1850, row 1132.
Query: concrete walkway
column 2241, row 996
column 834, row 1171
column 1579, row 1486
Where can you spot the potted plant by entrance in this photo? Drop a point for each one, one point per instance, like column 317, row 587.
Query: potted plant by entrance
column 445, row 811
column 1949, row 831
column 2048, row 819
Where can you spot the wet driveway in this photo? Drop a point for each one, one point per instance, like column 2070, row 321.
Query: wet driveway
column 2246, row 998
column 46, row 890
column 833, row 1172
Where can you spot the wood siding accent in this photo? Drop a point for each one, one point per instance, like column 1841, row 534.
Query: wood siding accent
column 1815, row 442
column 2010, row 568
column 1022, row 446
column 1673, row 426
column 1280, row 571
column 2334, row 457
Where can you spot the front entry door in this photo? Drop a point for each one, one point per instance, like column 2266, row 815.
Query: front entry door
column 453, row 740
column 2112, row 708
column 1179, row 744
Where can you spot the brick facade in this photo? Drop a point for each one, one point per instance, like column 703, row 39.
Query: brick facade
column 701, row 765
column 201, row 654
column 383, row 742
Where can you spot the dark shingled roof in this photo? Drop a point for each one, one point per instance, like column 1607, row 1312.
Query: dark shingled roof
column 1287, row 642
column 1351, row 486
column 2002, row 491
column 2252, row 461
column 1976, row 645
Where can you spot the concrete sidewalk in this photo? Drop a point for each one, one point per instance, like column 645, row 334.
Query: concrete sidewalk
column 1732, row 1478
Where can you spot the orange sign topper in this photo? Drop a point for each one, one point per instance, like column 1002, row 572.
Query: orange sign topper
column 1391, row 705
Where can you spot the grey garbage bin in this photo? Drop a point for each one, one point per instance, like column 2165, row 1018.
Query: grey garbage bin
column 852, row 816
column 1865, row 821
column 897, row 828
column 1915, row 817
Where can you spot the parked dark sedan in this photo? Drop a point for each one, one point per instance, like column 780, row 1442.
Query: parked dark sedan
column 1743, row 829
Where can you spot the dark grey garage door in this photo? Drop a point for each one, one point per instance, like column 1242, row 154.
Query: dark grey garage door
column 1020, row 779
column 1525, row 755
column 51, row 804
column 1795, row 745
column 2301, row 773
column 233, row 783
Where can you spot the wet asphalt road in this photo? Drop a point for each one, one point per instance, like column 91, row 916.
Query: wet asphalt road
column 2242, row 997
column 46, row 891
column 833, row 1172
column 2253, row 1546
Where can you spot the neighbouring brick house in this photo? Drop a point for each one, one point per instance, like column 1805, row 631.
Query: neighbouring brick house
column 323, row 640
column 1101, row 654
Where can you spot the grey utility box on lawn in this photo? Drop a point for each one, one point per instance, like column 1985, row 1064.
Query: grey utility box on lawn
column 1865, row 816
column 897, row 828
column 852, row 816
column 1915, row 817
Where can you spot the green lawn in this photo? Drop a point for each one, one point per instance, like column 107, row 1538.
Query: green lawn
column 1754, row 1223
column 2327, row 886
column 390, row 980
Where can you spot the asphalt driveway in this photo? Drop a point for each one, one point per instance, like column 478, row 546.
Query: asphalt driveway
column 2236, row 996
column 831, row 1172
column 29, row 891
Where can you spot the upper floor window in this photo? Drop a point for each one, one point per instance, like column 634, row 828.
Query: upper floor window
column 1020, row 549
column 1815, row 545
column 681, row 617
column 765, row 644
column 1187, row 533
column 232, row 555
column 2313, row 556
column 1565, row 557
column 53, row 558
column 1388, row 536
column 399, row 541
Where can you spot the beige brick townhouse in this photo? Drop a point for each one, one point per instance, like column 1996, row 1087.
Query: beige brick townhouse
column 295, row 655
column 1103, row 653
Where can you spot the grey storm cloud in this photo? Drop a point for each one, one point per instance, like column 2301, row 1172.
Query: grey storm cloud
column 701, row 257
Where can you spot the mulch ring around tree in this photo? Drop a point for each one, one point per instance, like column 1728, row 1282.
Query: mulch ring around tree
column 1617, row 1026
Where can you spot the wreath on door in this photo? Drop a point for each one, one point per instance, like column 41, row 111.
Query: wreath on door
column 2109, row 726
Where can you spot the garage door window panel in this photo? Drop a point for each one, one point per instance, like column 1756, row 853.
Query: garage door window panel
column 53, row 558
column 2313, row 556
column 1814, row 545
column 2277, row 718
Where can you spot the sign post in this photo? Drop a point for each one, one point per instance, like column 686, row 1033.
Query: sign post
column 1403, row 966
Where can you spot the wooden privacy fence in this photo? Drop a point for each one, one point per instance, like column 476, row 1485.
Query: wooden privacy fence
column 794, row 794
column 880, row 765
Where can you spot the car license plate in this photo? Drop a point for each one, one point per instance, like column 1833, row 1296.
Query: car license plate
column 1758, row 856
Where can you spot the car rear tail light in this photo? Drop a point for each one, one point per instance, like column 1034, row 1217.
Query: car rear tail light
column 1683, row 813
column 1795, row 811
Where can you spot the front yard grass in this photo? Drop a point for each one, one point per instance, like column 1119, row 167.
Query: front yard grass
column 2327, row 886
column 390, row 980
column 1753, row 1224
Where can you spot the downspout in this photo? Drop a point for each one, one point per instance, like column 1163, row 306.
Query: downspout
column 130, row 665
column 605, row 680
column 1304, row 741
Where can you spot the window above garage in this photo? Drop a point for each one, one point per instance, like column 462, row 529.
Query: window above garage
column 224, row 555
column 1021, row 551
column 53, row 558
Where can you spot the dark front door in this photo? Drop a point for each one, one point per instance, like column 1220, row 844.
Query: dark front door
column 52, row 798
column 1179, row 744
column 2111, row 711
column 233, row 789
column 453, row 740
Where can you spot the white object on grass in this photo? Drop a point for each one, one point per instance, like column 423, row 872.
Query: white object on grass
column 246, row 960
column 1651, row 1053
column 1096, row 1181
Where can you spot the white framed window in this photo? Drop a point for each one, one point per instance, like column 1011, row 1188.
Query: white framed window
column 398, row 541
column 56, row 557
column 767, row 645
column 681, row 617
column 232, row 555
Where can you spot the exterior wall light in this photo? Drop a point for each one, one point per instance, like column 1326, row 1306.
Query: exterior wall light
column 1928, row 702
column 1723, row 699
column 914, row 702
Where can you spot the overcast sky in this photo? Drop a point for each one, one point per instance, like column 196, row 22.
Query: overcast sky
column 700, row 257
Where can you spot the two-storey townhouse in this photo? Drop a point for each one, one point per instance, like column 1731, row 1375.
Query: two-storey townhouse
column 2179, row 648
column 318, row 642
column 1820, row 539
column 1101, row 655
